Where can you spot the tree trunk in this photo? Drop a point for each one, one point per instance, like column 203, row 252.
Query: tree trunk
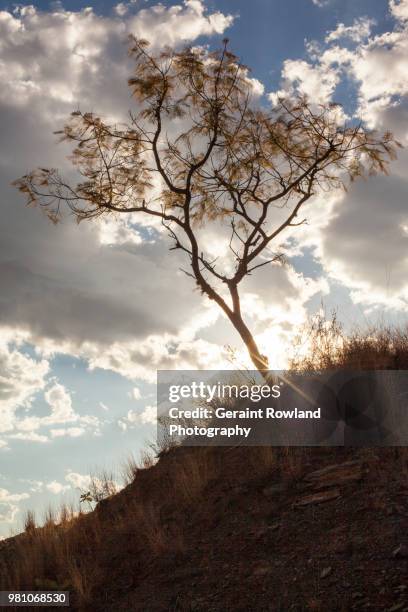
column 260, row 361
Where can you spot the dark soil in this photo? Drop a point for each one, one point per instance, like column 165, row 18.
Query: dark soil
column 320, row 529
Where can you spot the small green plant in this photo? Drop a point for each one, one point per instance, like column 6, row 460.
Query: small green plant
column 86, row 498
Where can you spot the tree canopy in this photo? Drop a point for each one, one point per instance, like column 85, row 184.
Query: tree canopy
column 221, row 158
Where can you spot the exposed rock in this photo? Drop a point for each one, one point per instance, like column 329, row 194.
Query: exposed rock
column 397, row 607
column 401, row 551
column 335, row 475
column 318, row 498
column 325, row 572
column 274, row 526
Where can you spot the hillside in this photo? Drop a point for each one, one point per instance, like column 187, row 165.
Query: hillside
column 240, row 528
column 234, row 529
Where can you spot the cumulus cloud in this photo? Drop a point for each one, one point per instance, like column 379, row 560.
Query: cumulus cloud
column 169, row 26
column 399, row 8
column 21, row 377
column 80, row 301
column 9, row 504
column 61, row 412
column 258, row 88
column 40, row 49
column 78, row 481
column 60, row 403
column 148, row 416
column 6, row 496
column 56, row 487
column 121, row 9
column 357, row 32
column 82, row 294
column 347, row 244
column 313, row 81
column 141, row 360
column 110, row 292
column 377, row 274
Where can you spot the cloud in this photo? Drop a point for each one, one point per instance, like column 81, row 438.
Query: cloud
column 78, row 481
column 141, row 360
column 121, row 9
column 72, row 283
column 9, row 504
column 60, row 403
column 148, row 416
column 136, row 393
column 399, row 9
column 86, row 482
column 71, row 432
column 24, row 378
column 39, row 486
column 61, row 412
column 359, row 31
column 258, row 88
column 35, row 485
column 56, row 487
column 364, row 239
column 169, row 26
column 315, row 81
column 39, row 49
column 377, row 273
column 84, row 61
column 28, row 436
column 21, row 378
column 6, row 496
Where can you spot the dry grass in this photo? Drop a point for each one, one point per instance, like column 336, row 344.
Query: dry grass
column 193, row 474
column 131, row 466
column 129, row 469
column 263, row 460
column 103, row 485
column 292, row 462
column 323, row 345
column 29, row 521
column 55, row 555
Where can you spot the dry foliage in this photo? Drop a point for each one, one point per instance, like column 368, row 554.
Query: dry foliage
column 221, row 158
column 323, row 345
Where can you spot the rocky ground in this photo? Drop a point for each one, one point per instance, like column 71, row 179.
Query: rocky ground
column 318, row 529
column 330, row 538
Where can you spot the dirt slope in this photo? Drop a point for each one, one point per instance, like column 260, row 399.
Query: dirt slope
column 251, row 529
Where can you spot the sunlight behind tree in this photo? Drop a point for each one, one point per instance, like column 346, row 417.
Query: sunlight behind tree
column 224, row 162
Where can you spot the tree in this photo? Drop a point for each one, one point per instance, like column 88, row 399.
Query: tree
column 222, row 159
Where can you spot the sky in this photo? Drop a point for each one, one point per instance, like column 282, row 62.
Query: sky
column 89, row 313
